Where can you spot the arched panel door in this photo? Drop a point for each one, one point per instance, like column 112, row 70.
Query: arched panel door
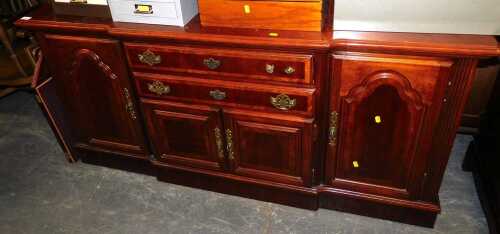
column 98, row 101
column 383, row 114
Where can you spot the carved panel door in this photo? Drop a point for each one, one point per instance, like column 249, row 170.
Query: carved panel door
column 92, row 83
column 273, row 148
column 186, row 135
column 383, row 111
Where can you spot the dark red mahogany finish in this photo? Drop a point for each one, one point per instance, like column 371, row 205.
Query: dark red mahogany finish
column 353, row 121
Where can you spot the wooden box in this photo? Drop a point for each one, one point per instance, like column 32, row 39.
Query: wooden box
column 80, row 8
column 303, row 15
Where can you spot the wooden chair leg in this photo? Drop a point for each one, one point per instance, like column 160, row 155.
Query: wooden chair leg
column 6, row 42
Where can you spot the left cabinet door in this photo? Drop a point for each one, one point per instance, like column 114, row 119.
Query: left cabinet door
column 92, row 83
column 186, row 135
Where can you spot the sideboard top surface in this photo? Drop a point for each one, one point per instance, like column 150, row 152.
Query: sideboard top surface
column 43, row 19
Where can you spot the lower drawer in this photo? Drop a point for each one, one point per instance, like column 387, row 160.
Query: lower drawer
column 226, row 93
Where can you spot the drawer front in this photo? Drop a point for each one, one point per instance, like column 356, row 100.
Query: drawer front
column 225, row 93
column 270, row 14
column 221, row 63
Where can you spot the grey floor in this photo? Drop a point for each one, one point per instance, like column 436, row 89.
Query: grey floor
column 41, row 193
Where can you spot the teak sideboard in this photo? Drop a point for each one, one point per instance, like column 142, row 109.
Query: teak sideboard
column 361, row 122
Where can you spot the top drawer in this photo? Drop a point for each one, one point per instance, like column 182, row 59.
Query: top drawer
column 221, row 63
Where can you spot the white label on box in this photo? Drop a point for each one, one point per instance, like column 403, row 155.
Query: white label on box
column 93, row 2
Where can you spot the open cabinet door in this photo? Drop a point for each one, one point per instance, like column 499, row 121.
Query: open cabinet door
column 46, row 97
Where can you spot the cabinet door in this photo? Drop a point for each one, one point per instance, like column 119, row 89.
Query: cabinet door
column 92, row 83
column 186, row 135
column 273, row 148
column 383, row 111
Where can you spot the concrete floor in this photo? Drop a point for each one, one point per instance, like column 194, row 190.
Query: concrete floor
column 41, row 193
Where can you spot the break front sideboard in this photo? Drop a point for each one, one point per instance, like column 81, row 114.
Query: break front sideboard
column 353, row 121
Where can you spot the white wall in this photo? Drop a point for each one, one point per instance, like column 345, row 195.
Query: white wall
column 428, row 16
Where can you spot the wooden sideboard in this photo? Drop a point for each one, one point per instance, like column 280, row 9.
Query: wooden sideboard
column 354, row 121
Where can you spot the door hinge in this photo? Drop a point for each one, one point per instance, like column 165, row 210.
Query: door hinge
column 313, row 176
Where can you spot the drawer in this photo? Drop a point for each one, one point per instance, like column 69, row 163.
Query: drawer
column 227, row 93
column 302, row 15
column 221, row 63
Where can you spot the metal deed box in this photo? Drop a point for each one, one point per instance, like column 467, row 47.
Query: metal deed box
column 165, row 12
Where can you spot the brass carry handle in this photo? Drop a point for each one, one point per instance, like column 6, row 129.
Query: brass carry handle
column 149, row 58
column 158, row 88
column 283, row 102
column 212, row 63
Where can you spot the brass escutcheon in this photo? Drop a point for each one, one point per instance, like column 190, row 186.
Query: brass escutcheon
column 217, row 95
column 212, row 63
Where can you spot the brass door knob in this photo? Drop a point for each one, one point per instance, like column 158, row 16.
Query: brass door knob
column 149, row 58
column 270, row 68
column 217, row 95
column 212, row 63
column 283, row 102
column 158, row 88
column 289, row 70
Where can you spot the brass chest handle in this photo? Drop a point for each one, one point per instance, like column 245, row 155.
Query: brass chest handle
column 283, row 102
column 212, row 63
column 217, row 95
column 158, row 88
column 149, row 58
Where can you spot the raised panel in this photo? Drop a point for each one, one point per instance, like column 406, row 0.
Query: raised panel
column 270, row 148
column 91, row 79
column 186, row 135
column 387, row 108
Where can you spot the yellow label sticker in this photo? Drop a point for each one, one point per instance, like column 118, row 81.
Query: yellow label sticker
column 378, row 119
column 273, row 34
column 143, row 8
column 355, row 164
column 246, row 8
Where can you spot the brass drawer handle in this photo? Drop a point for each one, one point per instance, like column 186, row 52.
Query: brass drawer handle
column 212, row 63
column 149, row 58
column 283, row 102
column 219, row 143
column 334, row 116
column 289, row 70
column 270, row 68
column 157, row 87
column 229, row 146
column 218, row 95
column 129, row 105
